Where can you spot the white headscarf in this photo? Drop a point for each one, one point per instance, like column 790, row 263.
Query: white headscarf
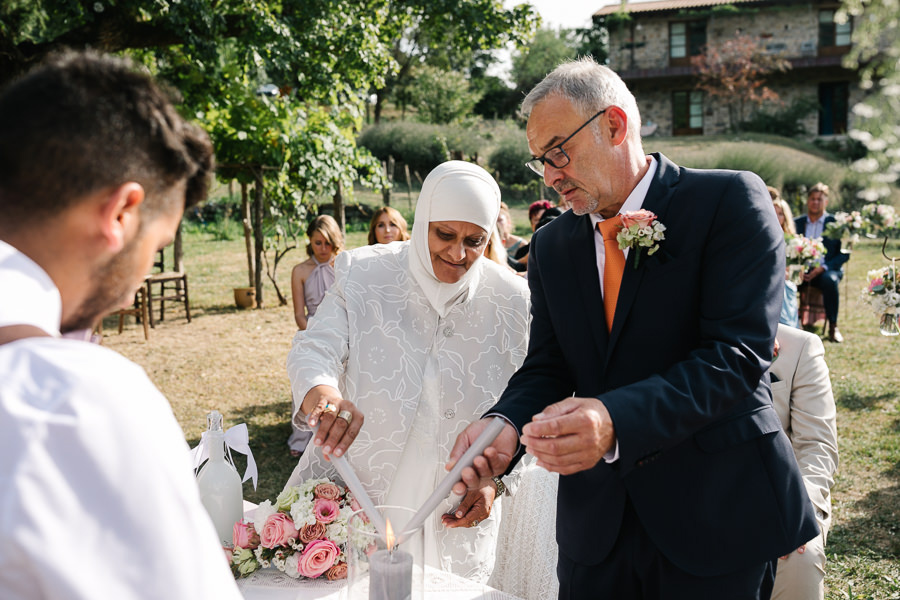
column 454, row 191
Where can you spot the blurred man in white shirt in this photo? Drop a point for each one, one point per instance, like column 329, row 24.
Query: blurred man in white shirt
column 97, row 497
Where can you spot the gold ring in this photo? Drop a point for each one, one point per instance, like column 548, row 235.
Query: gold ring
column 475, row 523
column 345, row 415
column 329, row 408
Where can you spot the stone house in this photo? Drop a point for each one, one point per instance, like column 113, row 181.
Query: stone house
column 651, row 50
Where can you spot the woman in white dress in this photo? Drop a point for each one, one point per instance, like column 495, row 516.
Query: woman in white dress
column 417, row 339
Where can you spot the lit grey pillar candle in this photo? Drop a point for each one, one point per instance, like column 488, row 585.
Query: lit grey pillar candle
column 390, row 575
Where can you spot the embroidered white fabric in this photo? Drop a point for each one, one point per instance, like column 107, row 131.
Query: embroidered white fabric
column 418, row 378
column 526, row 547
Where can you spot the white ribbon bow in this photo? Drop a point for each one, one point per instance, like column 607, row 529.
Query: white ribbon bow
column 237, row 439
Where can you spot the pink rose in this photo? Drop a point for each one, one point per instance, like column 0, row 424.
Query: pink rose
column 642, row 218
column 244, row 535
column 312, row 532
column 317, row 558
column 326, row 511
column 278, row 529
column 338, row 571
column 355, row 507
column 327, row 491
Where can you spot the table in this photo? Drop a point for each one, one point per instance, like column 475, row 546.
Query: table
column 271, row 584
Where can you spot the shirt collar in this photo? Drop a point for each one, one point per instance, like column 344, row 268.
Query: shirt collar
column 636, row 198
column 30, row 297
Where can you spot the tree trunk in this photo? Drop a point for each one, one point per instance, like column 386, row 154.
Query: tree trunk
column 339, row 213
column 258, row 236
column 248, row 233
column 389, row 180
column 379, row 104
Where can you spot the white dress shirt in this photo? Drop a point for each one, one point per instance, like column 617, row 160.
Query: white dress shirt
column 97, row 495
column 634, row 201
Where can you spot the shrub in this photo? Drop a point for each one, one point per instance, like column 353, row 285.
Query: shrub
column 786, row 122
column 508, row 160
column 420, row 145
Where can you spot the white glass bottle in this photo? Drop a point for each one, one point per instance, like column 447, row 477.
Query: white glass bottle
column 219, row 483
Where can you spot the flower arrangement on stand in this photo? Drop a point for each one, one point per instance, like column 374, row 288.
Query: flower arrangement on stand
column 304, row 534
column 882, row 293
column 881, row 217
column 847, row 226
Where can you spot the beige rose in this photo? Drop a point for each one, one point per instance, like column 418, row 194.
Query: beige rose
column 327, row 491
column 308, row 533
column 338, row 571
column 642, row 218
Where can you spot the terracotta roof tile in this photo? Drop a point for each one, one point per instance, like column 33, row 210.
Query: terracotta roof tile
column 661, row 5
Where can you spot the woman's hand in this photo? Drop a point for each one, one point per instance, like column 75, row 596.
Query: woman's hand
column 338, row 419
column 474, row 508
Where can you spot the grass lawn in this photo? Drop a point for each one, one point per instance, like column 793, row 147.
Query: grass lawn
column 233, row 361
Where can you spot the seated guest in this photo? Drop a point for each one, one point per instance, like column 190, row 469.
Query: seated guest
column 418, row 338
column 511, row 242
column 801, row 392
column 387, row 225
column 789, row 306
column 536, row 211
column 97, row 495
column 827, row 276
column 312, row 278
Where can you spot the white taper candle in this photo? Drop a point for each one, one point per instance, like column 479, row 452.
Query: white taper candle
column 484, row 440
column 359, row 492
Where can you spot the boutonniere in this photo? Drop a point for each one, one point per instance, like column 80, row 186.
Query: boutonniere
column 640, row 229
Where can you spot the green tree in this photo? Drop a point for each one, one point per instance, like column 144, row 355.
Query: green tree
column 876, row 52
column 442, row 96
column 547, row 50
column 449, row 34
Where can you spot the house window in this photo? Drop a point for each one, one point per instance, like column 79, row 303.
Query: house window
column 833, row 107
column 687, row 113
column 686, row 39
column 834, row 38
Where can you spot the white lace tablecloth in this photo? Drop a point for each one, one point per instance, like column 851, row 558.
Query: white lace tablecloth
column 271, row 584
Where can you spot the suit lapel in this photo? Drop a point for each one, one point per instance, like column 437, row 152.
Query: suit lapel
column 657, row 201
column 583, row 256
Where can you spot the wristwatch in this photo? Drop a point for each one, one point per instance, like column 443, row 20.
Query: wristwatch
column 501, row 488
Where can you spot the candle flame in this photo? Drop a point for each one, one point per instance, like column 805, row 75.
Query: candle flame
column 389, row 535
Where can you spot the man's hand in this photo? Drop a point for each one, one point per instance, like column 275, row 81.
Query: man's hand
column 570, row 436
column 474, row 508
column 322, row 405
column 807, row 277
column 799, row 550
column 493, row 461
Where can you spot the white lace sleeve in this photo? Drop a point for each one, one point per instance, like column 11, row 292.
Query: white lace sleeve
column 526, row 547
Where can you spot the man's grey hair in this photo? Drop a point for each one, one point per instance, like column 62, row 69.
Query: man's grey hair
column 590, row 87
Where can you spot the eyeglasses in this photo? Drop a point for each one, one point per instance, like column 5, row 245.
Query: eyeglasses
column 556, row 157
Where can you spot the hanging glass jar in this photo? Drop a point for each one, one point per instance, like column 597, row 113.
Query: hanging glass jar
column 890, row 325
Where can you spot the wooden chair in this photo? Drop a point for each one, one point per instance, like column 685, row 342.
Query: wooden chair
column 812, row 306
column 166, row 286
column 139, row 310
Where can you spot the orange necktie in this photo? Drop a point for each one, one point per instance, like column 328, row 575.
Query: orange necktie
column 614, row 266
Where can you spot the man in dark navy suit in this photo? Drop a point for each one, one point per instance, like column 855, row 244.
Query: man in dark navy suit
column 677, row 479
column 827, row 276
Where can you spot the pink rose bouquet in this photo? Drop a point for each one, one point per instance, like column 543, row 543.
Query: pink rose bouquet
column 800, row 250
column 304, row 534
